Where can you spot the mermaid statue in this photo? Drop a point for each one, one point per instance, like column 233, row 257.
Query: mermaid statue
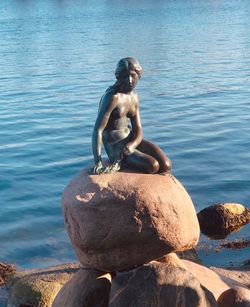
column 118, row 127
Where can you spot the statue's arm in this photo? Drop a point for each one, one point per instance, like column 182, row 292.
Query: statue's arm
column 136, row 132
column 107, row 105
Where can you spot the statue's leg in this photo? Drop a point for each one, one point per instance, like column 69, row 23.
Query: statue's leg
column 142, row 162
column 153, row 150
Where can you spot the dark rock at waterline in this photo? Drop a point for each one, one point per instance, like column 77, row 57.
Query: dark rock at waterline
column 236, row 244
column 247, row 262
column 218, row 221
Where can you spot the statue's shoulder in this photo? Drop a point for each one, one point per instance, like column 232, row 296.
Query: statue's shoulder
column 110, row 95
column 111, row 91
column 135, row 97
column 109, row 98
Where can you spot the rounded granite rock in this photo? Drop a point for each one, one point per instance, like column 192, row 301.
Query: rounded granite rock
column 85, row 288
column 120, row 220
column 38, row 287
column 218, row 221
column 158, row 285
column 235, row 297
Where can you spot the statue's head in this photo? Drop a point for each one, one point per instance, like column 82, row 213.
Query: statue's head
column 128, row 72
column 128, row 64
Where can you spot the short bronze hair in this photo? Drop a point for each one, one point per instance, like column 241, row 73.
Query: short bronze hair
column 128, row 64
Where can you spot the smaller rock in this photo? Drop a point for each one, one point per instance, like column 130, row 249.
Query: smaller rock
column 213, row 279
column 220, row 220
column 38, row 287
column 6, row 271
column 159, row 284
column 85, row 288
column 235, row 297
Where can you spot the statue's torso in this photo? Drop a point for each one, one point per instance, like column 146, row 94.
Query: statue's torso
column 118, row 127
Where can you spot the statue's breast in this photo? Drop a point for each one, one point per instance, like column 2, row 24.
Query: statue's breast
column 132, row 111
column 119, row 112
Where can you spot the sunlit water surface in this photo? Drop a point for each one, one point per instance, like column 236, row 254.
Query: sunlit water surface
column 58, row 57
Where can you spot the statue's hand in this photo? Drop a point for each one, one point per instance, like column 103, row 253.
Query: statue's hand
column 115, row 166
column 97, row 169
column 129, row 149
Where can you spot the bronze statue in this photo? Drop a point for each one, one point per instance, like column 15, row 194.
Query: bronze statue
column 118, row 127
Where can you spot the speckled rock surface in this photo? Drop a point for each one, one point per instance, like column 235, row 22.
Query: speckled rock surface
column 120, row 220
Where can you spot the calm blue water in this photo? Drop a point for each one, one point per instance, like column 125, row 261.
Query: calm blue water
column 58, row 57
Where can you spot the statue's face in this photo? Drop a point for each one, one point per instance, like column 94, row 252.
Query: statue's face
column 128, row 80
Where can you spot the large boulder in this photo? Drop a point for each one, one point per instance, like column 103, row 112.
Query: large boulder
column 159, row 284
column 120, row 220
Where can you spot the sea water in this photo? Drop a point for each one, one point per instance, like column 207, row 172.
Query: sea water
column 57, row 58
